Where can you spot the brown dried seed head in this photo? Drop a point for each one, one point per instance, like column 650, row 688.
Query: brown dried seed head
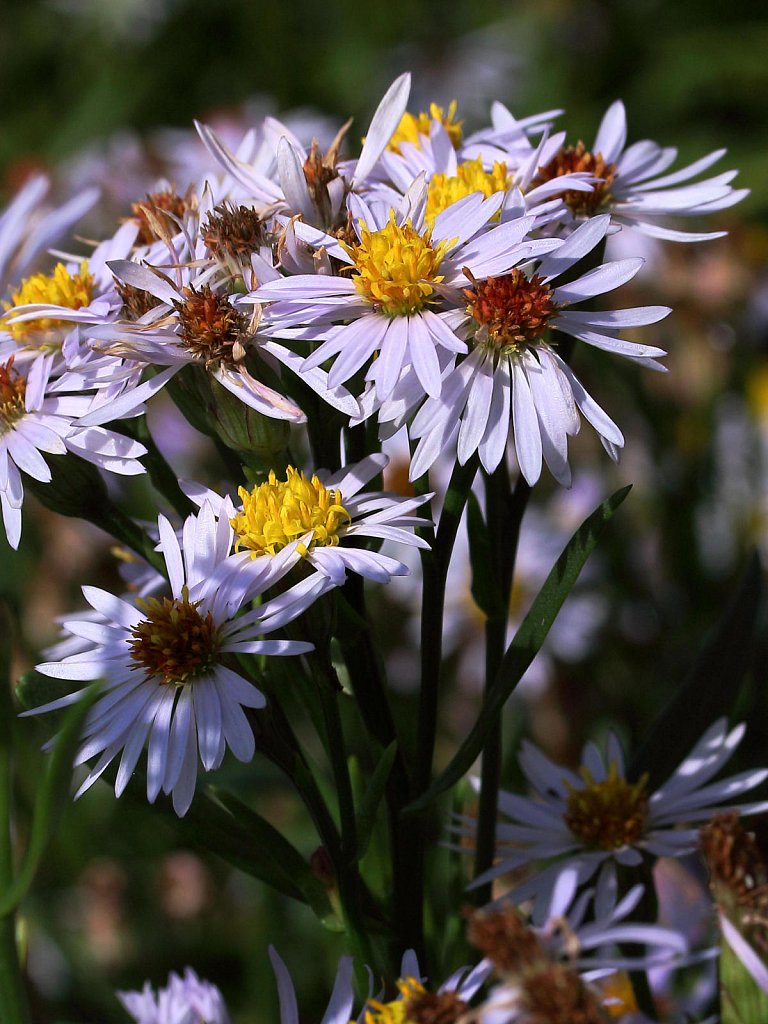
column 152, row 214
column 505, row 938
column 210, row 327
column 235, row 231
column 578, row 158
column 434, row 1008
column 136, row 301
column 555, row 994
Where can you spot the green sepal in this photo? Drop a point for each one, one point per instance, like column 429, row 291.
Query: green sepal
column 712, row 687
column 51, row 798
column 742, row 1001
column 484, row 588
column 260, row 442
column 369, row 806
column 526, row 644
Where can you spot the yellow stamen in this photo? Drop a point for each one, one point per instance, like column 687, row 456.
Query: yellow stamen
column 13, row 389
column 275, row 513
column 396, row 267
column 470, row 177
column 57, row 289
column 395, row 1012
column 411, row 127
column 174, row 642
column 609, row 814
column 618, row 996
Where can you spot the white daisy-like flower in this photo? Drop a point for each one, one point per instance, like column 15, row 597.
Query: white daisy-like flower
column 634, row 187
column 513, row 377
column 185, row 999
column 321, row 519
column 285, row 177
column 166, row 664
column 35, row 418
column 405, row 283
column 575, row 822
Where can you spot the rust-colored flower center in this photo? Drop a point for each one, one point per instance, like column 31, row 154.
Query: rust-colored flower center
column 136, row 301
column 579, row 158
column 510, row 311
column 555, row 994
column 609, row 814
column 13, row 389
column 174, row 643
column 210, row 327
column 434, row 1008
column 505, row 939
column 152, row 215
column 233, row 231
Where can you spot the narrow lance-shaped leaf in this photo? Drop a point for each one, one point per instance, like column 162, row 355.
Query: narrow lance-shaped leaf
column 485, row 590
column 711, row 688
column 526, row 644
column 51, row 798
column 366, row 814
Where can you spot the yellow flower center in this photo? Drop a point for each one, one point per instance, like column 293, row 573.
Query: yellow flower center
column 411, row 127
column 396, row 268
column 13, row 389
column 278, row 511
column 174, row 641
column 609, row 814
column 57, row 289
column 470, row 177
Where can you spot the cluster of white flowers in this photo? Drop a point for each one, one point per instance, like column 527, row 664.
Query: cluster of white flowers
column 438, row 283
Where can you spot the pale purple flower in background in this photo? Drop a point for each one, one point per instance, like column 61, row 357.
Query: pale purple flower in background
column 185, row 999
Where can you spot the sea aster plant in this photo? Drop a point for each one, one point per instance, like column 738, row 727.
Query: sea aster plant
column 35, row 418
column 166, row 665
column 405, row 281
column 575, row 822
column 515, row 377
column 185, row 999
column 633, row 186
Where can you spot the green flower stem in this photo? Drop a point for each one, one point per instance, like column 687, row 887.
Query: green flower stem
column 409, row 864
column 13, row 1000
column 505, row 510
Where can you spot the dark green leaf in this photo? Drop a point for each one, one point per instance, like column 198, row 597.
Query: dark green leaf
column 484, row 588
column 366, row 814
column 711, row 688
column 526, row 644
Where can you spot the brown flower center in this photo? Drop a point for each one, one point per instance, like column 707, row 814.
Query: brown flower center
column 13, row 389
column 233, row 231
column 510, row 311
column 153, row 212
column 210, row 327
column 174, row 642
column 505, row 939
column 578, row 158
column 555, row 994
column 136, row 301
column 609, row 814
column 434, row 1008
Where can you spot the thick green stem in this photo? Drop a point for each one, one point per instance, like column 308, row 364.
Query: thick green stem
column 505, row 511
column 13, row 1000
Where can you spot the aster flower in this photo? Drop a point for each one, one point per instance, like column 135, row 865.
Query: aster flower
column 575, row 822
column 339, row 1009
column 184, row 1000
column 166, row 665
column 405, row 285
column 634, row 187
column 35, row 419
column 513, row 377
column 284, row 176
column 317, row 517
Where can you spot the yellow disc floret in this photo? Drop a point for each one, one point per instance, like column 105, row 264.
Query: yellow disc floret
column 469, row 177
column 61, row 288
column 609, row 814
column 13, row 389
column 412, row 126
column 396, row 268
column 275, row 513
column 416, row 1005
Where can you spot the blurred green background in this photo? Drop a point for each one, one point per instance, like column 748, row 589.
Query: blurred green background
column 121, row 898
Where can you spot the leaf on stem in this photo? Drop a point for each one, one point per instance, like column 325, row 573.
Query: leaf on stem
column 526, row 644
column 366, row 813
